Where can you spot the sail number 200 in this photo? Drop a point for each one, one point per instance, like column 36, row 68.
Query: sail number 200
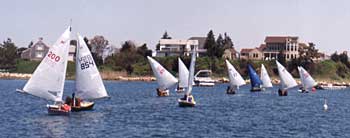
column 53, row 56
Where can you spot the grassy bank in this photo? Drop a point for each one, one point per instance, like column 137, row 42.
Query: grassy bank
column 327, row 70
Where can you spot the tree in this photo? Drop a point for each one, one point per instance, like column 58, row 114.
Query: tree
column 8, row 54
column 343, row 58
column 227, row 41
column 335, row 57
column 144, row 51
column 220, row 46
column 166, row 36
column 210, row 44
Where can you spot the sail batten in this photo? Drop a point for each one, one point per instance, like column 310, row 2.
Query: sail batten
column 48, row 79
column 183, row 74
column 88, row 82
column 234, row 77
column 287, row 80
column 164, row 78
column 266, row 81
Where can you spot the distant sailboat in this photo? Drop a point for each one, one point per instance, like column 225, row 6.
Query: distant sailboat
column 88, row 82
column 307, row 81
column 188, row 99
column 256, row 83
column 235, row 78
column 164, row 78
column 287, row 80
column 183, row 77
column 48, row 79
column 266, row 81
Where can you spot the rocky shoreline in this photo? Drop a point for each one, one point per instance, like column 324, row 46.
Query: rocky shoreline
column 119, row 77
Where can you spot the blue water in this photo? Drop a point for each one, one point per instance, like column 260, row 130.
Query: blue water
column 134, row 110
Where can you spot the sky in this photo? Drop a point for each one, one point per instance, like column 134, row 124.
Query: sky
column 323, row 22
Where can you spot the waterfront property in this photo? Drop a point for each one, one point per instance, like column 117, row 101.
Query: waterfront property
column 180, row 47
column 39, row 49
column 36, row 51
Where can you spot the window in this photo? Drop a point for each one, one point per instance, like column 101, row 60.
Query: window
column 39, row 54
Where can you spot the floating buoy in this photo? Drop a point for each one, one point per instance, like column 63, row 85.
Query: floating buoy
column 325, row 106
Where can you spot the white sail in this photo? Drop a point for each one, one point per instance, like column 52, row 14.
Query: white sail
column 48, row 79
column 183, row 74
column 301, row 78
column 88, row 82
column 265, row 77
column 234, row 76
column 191, row 73
column 287, row 79
column 306, row 80
column 164, row 78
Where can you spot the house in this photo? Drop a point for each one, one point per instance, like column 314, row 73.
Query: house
column 201, row 41
column 251, row 54
column 230, row 54
column 175, row 47
column 288, row 45
column 37, row 51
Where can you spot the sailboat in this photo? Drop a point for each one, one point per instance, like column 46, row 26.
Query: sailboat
column 88, row 82
column 287, row 80
column 164, row 78
column 264, row 76
column 235, row 78
column 183, row 77
column 307, row 81
column 48, row 79
column 256, row 83
column 188, row 99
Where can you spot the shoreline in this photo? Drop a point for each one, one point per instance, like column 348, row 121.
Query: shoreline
column 121, row 77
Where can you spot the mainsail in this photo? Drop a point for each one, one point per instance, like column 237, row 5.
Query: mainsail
column 191, row 73
column 306, row 80
column 88, row 82
column 287, row 79
column 265, row 77
column 48, row 79
column 183, row 74
column 234, row 77
column 164, row 78
column 254, row 78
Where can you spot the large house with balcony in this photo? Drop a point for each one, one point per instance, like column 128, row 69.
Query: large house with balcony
column 288, row 45
column 180, row 47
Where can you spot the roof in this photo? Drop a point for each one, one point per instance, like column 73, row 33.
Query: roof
column 280, row 39
column 246, row 50
column 261, row 47
column 201, row 41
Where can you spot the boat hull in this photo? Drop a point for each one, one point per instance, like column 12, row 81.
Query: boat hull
column 57, row 110
column 162, row 93
column 282, row 92
column 255, row 89
column 229, row 90
column 84, row 106
column 184, row 103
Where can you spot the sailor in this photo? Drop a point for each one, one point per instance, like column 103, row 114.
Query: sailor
column 73, row 97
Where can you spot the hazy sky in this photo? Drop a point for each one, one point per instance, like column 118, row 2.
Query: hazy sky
column 324, row 22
